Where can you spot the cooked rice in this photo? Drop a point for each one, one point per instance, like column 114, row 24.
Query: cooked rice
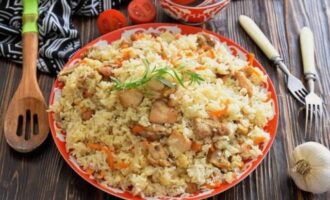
column 111, row 124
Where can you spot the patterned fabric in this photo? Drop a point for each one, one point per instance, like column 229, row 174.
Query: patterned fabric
column 58, row 39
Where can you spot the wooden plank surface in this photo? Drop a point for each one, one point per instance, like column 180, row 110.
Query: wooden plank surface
column 43, row 174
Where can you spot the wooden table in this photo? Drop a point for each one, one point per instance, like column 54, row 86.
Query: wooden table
column 43, row 174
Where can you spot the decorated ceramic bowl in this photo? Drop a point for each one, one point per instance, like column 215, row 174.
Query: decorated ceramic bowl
column 193, row 15
column 59, row 137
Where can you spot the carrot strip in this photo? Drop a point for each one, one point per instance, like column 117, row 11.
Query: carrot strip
column 110, row 157
column 137, row 37
column 146, row 143
column 253, row 70
column 196, row 146
column 106, row 150
column 269, row 97
column 211, row 53
column 137, row 129
column 164, row 57
column 122, row 164
column 95, row 146
column 189, row 54
column 157, row 40
column 213, row 186
column 251, row 59
column 126, row 55
column 200, row 68
column 242, row 167
column 259, row 140
column 124, row 46
column 218, row 113
column 118, row 62
column 204, row 47
column 89, row 171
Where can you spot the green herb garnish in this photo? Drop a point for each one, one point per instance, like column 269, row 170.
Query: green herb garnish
column 176, row 73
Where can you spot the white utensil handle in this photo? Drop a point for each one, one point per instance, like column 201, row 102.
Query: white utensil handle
column 258, row 36
column 307, row 50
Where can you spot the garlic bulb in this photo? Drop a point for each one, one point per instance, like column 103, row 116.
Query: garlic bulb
column 310, row 167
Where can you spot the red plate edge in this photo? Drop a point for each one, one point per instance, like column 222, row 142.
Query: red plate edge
column 271, row 127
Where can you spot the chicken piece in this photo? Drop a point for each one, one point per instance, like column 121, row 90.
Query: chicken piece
column 105, row 71
column 154, row 132
column 204, row 128
column 87, row 113
column 162, row 113
column 201, row 129
column 156, row 151
column 158, row 128
column 179, row 142
column 155, row 85
column 214, row 157
column 87, row 94
column 168, row 91
column 244, row 82
column 155, row 94
column 175, row 99
column 191, row 188
column 157, row 155
column 130, row 98
column 222, row 130
column 205, row 39
column 150, row 136
column 209, row 39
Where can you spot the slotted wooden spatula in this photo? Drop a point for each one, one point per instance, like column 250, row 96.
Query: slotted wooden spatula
column 26, row 120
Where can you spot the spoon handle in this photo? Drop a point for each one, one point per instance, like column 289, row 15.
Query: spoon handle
column 30, row 44
column 30, row 55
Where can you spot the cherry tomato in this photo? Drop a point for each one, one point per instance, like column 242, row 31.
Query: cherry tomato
column 142, row 11
column 183, row 2
column 110, row 20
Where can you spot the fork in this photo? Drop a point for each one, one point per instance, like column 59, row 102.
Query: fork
column 314, row 103
column 294, row 85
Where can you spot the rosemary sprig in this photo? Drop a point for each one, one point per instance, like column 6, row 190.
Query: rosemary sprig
column 159, row 75
column 194, row 77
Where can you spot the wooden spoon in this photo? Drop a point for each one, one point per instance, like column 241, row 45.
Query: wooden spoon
column 26, row 121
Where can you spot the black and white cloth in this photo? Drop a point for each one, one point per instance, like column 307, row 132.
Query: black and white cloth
column 58, row 39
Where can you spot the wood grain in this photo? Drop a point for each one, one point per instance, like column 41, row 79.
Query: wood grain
column 43, row 174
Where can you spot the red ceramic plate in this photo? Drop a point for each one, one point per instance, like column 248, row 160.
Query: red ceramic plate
column 59, row 138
